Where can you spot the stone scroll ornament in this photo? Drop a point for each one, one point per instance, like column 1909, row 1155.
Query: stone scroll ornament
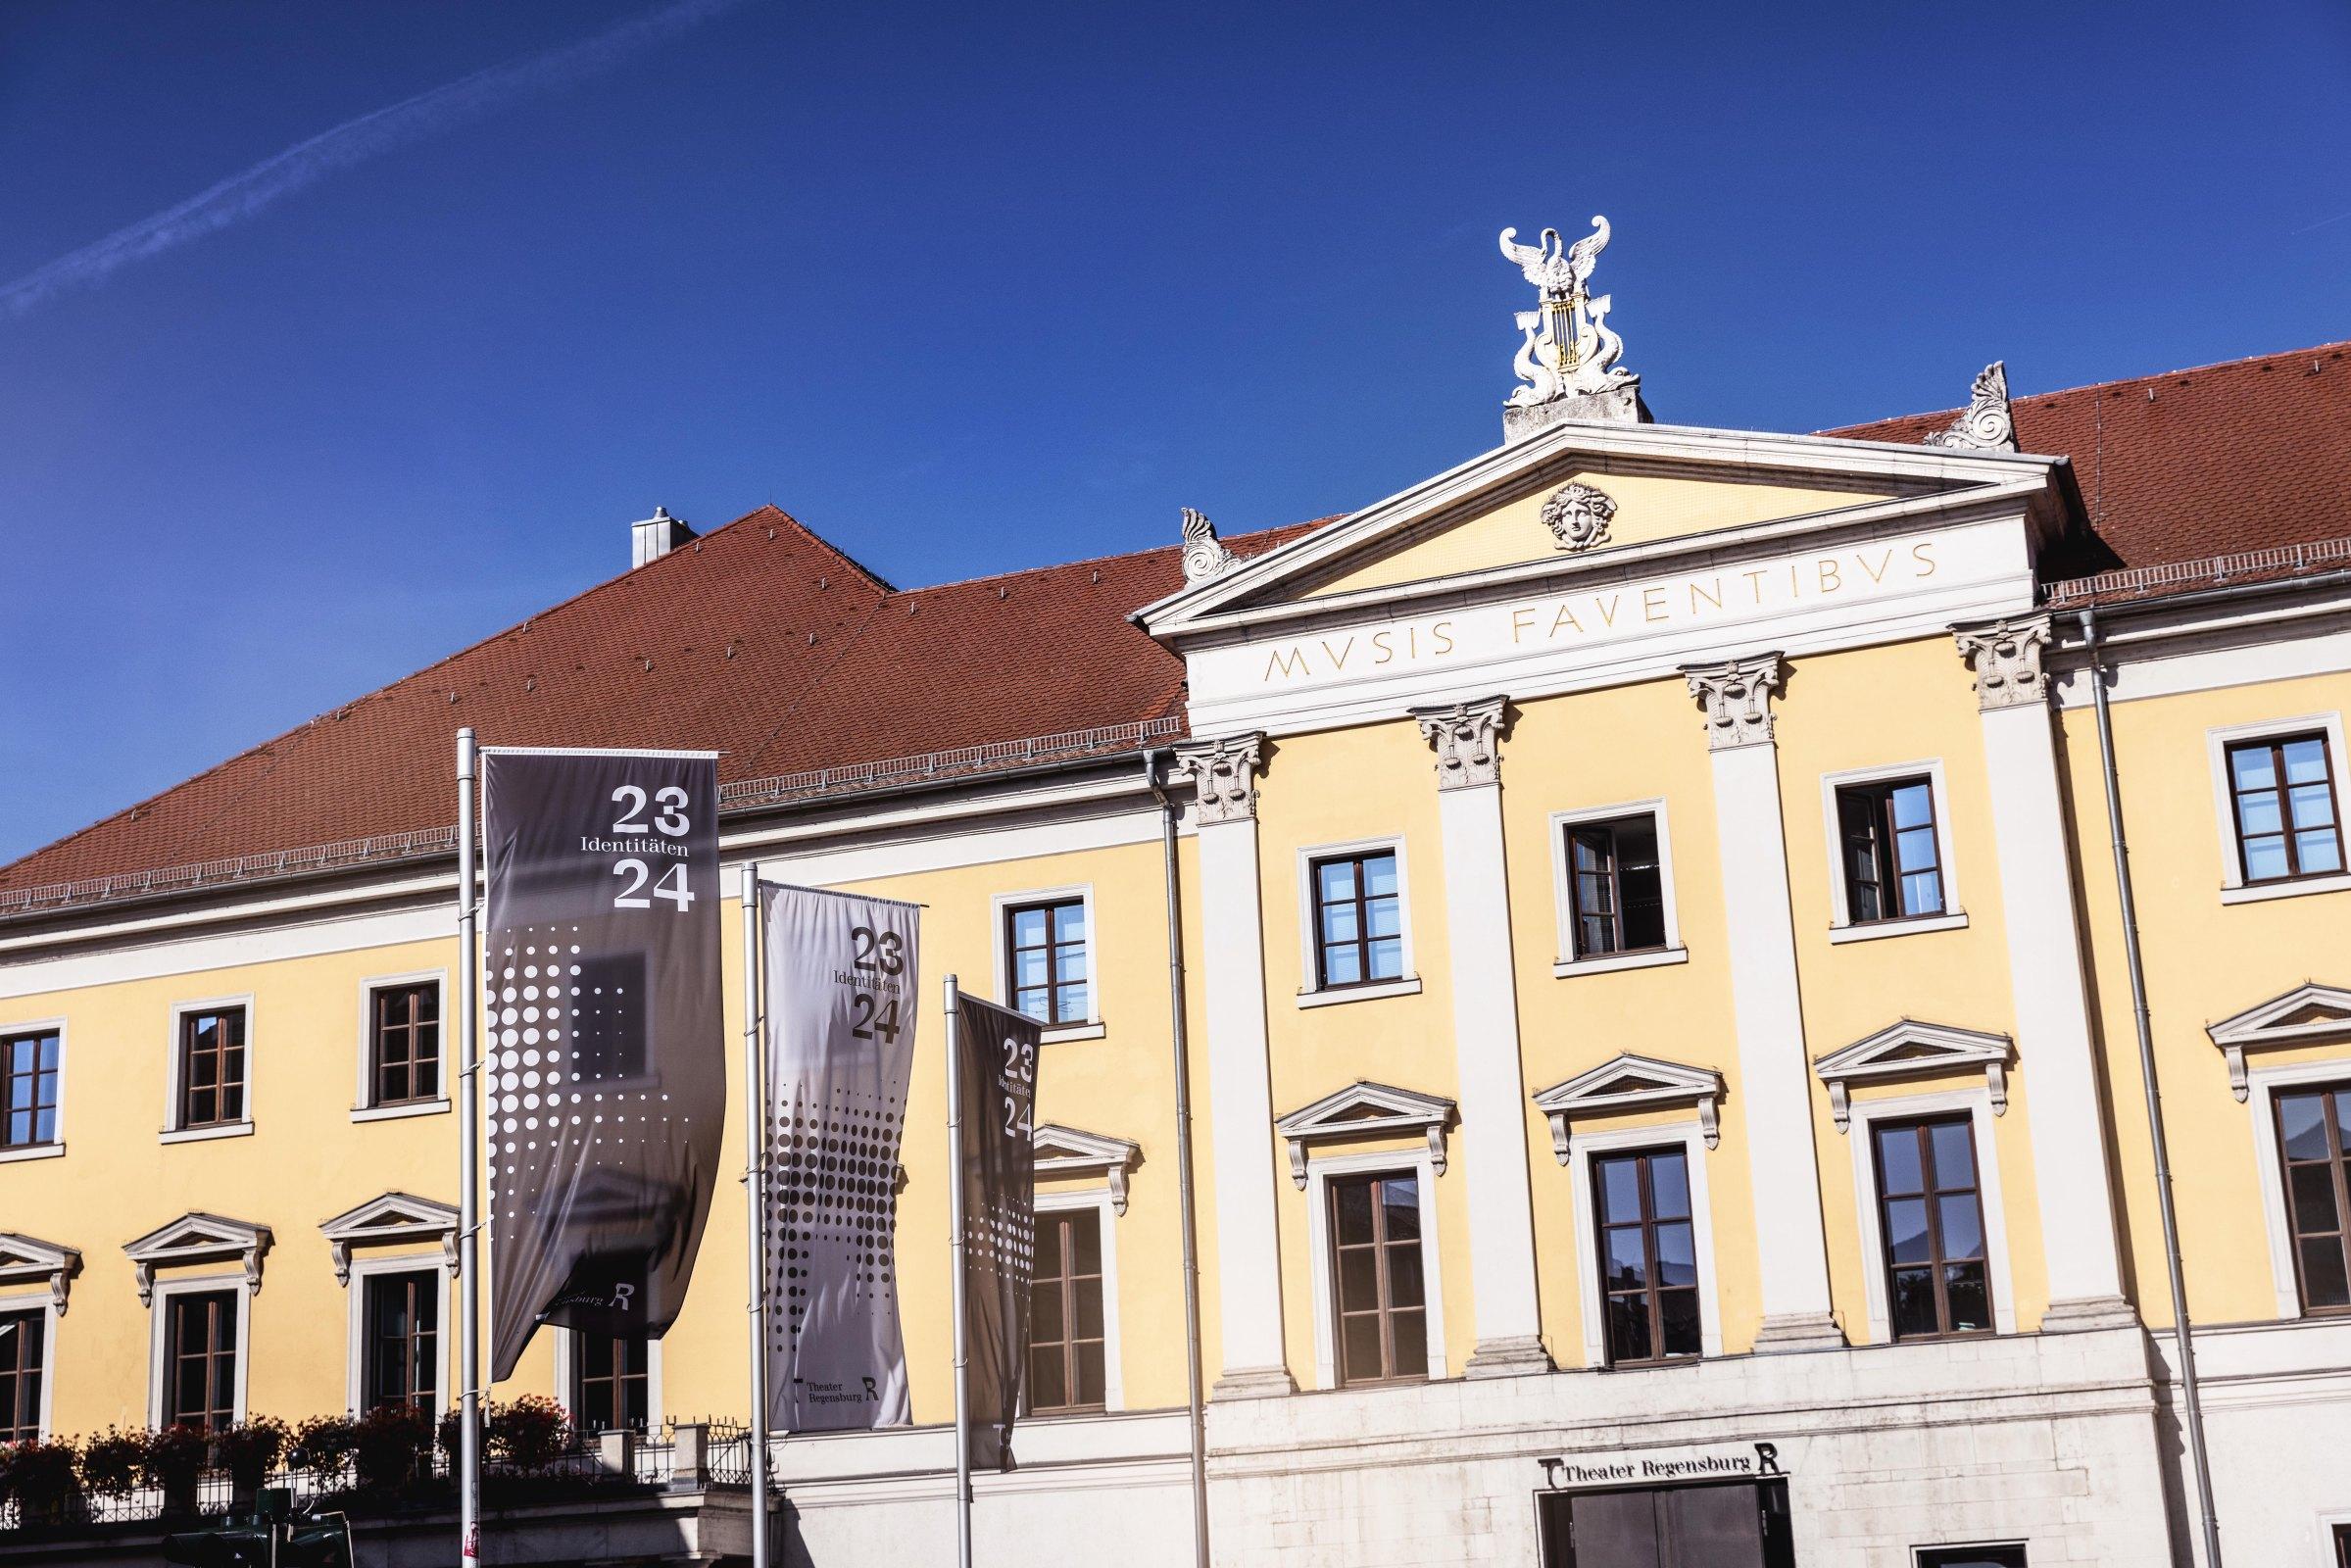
column 1568, row 348
column 1204, row 555
column 604, row 1065
column 1989, row 424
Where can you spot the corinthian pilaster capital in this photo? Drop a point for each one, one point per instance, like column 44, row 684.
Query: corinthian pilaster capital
column 1223, row 775
column 1737, row 695
column 2006, row 657
column 1467, row 737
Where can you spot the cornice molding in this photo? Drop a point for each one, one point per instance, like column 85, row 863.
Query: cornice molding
column 1909, row 1049
column 199, row 1238
column 393, row 1217
column 1060, row 1151
column 1632, row 1082
column 24, row 1259
column 1365, row 1110
column 2309, row 1014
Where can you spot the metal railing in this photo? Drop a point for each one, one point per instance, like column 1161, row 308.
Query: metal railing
column 2212, row 571
column 743, row 795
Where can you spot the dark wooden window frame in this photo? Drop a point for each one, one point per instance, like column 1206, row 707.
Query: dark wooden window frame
column 1612, row 874
column 2288, row 831
column 1876, row 797
column 1362, row 940
column 23, row 1374
column 217, row 1306
column 598, row 1359
column 1067, row 1285
column 1989, row 1552
column 1652, row 1293
column 1055, row 986
column 417, row 1349
column 2342, row 1546
column 1932, row 1192
column 44, row 1093
column 1383, row 1305
column 400, row 1049
column 2332, row 1096
column 230, row 1088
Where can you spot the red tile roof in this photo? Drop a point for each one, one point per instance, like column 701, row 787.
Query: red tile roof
column 764, row 641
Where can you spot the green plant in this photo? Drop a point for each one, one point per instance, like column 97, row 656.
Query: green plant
column 324, row 1443
column 391, row 1440
column 529, row 1433
column 175, row 1458
column 250, row 1451
column 109, row 1463
column 41, row 1475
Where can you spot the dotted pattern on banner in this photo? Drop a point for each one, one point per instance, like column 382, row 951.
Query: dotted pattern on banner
column 567, row 1038
column 832, row 1201
column 1003, row 1240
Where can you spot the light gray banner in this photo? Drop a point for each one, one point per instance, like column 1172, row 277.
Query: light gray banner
column 841, row 1008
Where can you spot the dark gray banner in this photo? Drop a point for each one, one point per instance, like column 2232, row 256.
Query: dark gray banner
column 840, row 974
column 605, row 1069
column 997, row 1095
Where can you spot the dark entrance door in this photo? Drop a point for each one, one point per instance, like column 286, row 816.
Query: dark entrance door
column 1739, row 1524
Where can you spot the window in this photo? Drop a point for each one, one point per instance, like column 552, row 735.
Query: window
column 1381, row 1297
column 1892, row 859
column 1046, row 960
column 612, row 1382
column 28, row 1064
column 2342, row 1546
column 1066, row 1350
column 403, row 1325
column 1648, row 1255
column 2281, row 798
column 1971, row 1557
column 200, row 1359
column 2314, row 1128
column 404, row 1043
column 22, row 1345
column 212, row 1067
column 1931, row 1208
column 1358, row 920
column 1616, row 889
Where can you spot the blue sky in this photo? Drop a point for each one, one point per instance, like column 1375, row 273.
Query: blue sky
column 968, row 288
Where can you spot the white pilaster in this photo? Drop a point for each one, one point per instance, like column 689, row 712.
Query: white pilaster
column 1248, row 1264
column 2055, row 1053
column 1494, row 1108
column 1775, row 1074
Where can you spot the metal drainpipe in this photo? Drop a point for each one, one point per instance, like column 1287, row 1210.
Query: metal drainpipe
column 2192, row 1397
column 1185, row 1198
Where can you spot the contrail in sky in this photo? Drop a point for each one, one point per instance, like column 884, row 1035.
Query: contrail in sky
column 353, row 141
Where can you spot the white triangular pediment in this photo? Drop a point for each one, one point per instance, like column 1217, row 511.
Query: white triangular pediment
column 1910, row 1049
column 2309, row 1014
column 391, row 1217
column 199, row 1237
column 1365, row 1110
column 1632, row 1082
column 1683, row 488
column 28, row 1259
column 1072, row 1151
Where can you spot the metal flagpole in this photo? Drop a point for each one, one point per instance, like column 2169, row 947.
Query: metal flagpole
column 468, row 1184
column 955, row 1220
column 755, row 1198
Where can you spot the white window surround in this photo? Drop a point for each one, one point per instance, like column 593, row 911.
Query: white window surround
column 1841, row 927
column 1563, row 896
column 174, row 1132
column 2263, row 1027
column 1977, row 1102
column 566, row 1367
column 65, row 1066
column 355, row 1354
column 158, row 1319
column 2216, row 740
column 1002, row 966
column 1320, row 1169
column 44, row 1307
column 1309, row 927
column 1690, row 1138
column 1105, row 1211
column 363, row 1101
column 2261, row 1101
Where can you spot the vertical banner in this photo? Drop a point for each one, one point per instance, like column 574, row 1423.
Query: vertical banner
column 604, row 1068
column 998, row 1098
column 839, row 1051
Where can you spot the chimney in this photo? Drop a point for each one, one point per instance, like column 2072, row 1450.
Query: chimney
column 656, row 537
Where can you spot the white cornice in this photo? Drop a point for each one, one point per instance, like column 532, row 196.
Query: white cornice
column 1365, row 1110
column 1632, row 1082
column 2325, row 1016
column 1060, row 1151
column 392, row 1217
column 27, row 1259
column 199, row 1238
column 1909, row 1049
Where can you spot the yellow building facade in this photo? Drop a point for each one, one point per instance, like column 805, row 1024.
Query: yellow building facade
column 1664, row 1039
